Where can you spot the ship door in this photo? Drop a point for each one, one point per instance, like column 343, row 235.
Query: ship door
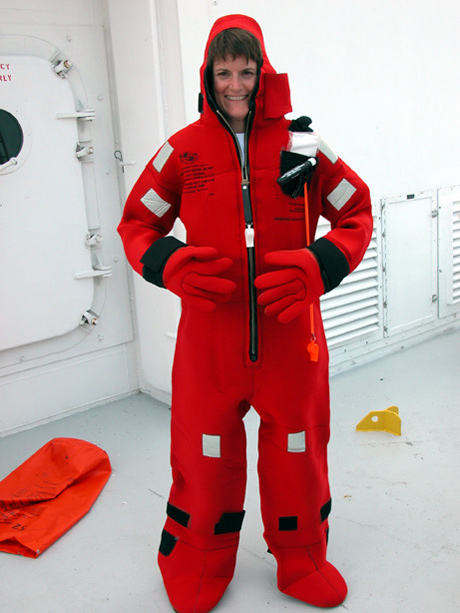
column 58, row 248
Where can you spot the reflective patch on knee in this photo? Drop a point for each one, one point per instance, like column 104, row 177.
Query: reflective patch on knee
column 181, row 517
column 211, row 445
column 287, row 523
column 229, row 522
column 325, row 510
column 168, row 542
column 296, row 442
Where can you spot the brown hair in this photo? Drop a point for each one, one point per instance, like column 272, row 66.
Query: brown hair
column 235, row 42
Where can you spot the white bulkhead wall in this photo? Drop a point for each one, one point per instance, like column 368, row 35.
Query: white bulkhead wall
column 147, row 72
column 378, row 81
column 66, row 328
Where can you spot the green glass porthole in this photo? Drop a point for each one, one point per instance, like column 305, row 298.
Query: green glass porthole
column 11, row 137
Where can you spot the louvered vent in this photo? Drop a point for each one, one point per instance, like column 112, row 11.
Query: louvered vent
column 449, row 250
column 456, row 251
column 351, row 311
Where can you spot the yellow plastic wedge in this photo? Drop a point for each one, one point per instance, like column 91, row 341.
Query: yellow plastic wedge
column 385, row 421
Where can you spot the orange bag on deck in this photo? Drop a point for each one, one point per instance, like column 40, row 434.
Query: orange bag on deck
column 45, row 496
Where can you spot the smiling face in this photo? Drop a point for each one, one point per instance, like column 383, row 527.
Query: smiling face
column 234, row 82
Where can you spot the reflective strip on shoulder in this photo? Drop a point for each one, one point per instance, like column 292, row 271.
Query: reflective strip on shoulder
column 327, row 151
column 341, row 194
column 305, row 143
column 155, row 204
column 162, row 156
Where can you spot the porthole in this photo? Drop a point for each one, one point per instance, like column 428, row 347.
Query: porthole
column 11, row 137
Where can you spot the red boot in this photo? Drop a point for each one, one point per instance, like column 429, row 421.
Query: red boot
column 304, row 573
column 196, row 578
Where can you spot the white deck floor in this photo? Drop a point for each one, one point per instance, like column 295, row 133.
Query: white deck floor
column 395, row 512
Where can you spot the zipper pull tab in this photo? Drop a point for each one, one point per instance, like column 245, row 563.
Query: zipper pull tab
column 249, row 235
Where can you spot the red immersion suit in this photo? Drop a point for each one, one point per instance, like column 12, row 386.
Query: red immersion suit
column 237, row 356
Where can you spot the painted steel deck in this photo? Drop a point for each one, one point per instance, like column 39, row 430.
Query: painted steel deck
column 395, row 512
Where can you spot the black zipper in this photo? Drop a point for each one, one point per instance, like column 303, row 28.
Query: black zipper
column 248, row 233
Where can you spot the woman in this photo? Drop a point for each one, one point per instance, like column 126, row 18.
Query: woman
column 250, row 332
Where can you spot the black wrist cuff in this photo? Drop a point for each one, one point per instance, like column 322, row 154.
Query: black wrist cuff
column 333, row 264
column 156, row 256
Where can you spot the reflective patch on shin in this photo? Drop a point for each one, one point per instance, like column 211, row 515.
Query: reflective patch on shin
column 168, row 542
column 179, row 516
column 229, row 522
column 287, row 523
column 211, row 445
column 296, row 442
column 325, row 510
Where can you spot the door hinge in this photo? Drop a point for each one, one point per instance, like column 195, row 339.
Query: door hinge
column 83, row 151
column 89, row 318
column 93, row 240
column 61, row 66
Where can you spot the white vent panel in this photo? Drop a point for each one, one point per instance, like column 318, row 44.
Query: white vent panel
column 449, row 250
column 351, row 311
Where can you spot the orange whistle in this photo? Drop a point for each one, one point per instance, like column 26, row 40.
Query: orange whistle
column 313, row 351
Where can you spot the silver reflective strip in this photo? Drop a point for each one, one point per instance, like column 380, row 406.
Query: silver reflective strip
column 155, row 204
column 211, row 445
column 305, row 143
column 162, row 157
column 341, row 194
column 327, row 151
column 296, row 442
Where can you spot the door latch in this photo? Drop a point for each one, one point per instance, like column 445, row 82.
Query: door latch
column 119, row 156
column 85, row 115
column 98, row 270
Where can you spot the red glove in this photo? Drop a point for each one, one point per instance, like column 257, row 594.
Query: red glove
column 192, row 273
column 289, row 292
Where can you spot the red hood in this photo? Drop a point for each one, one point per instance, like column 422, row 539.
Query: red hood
column 273, row 96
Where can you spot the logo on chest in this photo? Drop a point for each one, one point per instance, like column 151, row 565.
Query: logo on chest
column 188, row 157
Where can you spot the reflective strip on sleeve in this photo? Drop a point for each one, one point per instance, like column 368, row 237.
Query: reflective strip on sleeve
column 327, row 151
column 296, row 442
column 211, row 445
column 163, row 156
column 155, row 204
column 341, row 194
